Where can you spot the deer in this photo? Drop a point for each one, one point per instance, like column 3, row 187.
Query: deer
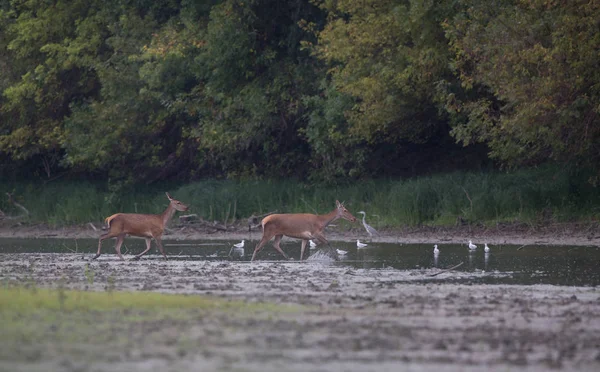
column 147, row 226
column 303, row 226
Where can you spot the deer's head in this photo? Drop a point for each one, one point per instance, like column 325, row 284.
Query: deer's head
column 343, row 212
column 177, row 204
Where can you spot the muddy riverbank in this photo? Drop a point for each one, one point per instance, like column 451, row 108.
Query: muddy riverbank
column 573, row 234
column 350, row 319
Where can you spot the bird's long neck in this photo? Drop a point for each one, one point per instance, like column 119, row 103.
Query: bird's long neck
column 364, row 218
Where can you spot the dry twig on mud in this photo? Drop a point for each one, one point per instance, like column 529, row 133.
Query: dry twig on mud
column 449, row 269
column 521, row 247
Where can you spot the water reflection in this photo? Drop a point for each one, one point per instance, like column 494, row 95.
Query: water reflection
column 559, row 265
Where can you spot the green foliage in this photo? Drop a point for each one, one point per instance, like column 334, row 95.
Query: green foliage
column 539, row 61
column 537, row 195
column 384, row 59
column 327, row 91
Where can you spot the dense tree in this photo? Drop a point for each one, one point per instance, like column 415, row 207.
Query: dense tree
column 385, row 59
column 146, row 90
column 533, row 66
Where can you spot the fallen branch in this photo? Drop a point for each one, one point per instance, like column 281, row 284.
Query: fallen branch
column 521, row 247
column 14, row 202
column 188, row 217
column 449, row 269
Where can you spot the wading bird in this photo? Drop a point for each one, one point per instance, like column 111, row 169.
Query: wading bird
column 486, row 249
column 369, row 228
column 313, row 245
column 472, row 246
column 436, row 251
column 340, row 252
column 359, row 244
column 240, row 244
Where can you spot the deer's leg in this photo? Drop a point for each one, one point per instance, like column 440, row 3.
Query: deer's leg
column 263, row 241
column 276, row 245
column 160, row 246
column 104, row 236
column 148, row 242
column 120, row 239
column 304, row 241
column 321, row 239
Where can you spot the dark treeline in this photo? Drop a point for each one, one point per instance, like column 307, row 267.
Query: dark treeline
column 141, row 91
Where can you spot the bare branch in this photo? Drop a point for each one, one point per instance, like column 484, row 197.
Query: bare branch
column 449, row 269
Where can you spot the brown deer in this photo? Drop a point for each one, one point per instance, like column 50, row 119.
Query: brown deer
column 303, row 226
column 148, row 226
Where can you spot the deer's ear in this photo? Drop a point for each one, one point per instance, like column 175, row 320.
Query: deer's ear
column 337, row 202
column 168, row 196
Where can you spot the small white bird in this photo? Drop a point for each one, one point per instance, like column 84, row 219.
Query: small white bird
column 238, row 249
column 312, row 244
column 359, row 244
column 472, row 246
column 340, row 252
column 436, row 251
column 486, row 249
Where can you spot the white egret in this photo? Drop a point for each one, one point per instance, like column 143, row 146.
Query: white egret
column 313, row 245
column 340, row 252
column 359, row 244
column 486, row 249
column 369, row 228
column 436, row 251
column 472, row 246
column 240, row 244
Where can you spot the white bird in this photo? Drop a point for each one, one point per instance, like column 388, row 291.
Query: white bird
column 239, row 247
column 340, row 252
column 312, row 244
column 472, row 246
column 436, row 251
column 359, row 244
column 486, row 249
column 369, row 228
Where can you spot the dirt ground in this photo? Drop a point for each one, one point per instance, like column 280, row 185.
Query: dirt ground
column 574, row 234
column 353, row 319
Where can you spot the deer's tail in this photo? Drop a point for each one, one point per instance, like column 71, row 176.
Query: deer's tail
column 109, row 219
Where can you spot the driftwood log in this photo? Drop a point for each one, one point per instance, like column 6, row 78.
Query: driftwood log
column 12, row 201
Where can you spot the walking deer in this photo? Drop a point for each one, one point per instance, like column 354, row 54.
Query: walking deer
column 303, row 226
column 148, row 226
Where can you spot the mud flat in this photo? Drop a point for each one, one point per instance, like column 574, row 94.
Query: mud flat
column 332, row 318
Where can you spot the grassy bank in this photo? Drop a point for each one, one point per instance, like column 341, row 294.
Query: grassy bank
column 538, row 195
column 42, row 323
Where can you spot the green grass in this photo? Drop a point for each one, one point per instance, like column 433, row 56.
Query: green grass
column 28, row 300
column 538, row 195
column 42, row 323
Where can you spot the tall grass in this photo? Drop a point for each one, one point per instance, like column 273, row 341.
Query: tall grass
column 531, row 196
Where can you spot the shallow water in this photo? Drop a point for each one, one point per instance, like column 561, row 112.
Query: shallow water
column 507, row 264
